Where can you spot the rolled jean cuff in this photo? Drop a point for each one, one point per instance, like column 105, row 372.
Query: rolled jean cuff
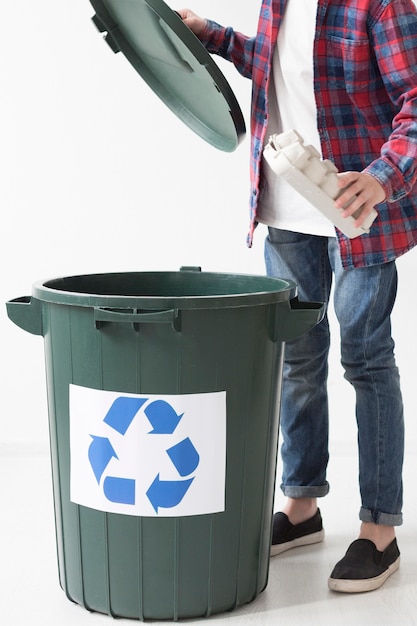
column 377, row 517
column 312, row 491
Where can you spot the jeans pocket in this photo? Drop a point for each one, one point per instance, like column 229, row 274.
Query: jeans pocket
column 279, row 236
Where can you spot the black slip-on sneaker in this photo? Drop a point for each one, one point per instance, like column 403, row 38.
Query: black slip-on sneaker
column 286, row 535
column 364, row 568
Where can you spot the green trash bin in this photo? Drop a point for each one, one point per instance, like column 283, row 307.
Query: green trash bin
column 163, row 398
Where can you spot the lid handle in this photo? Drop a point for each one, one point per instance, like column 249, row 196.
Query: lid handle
column 103, row 28
column 172, row 41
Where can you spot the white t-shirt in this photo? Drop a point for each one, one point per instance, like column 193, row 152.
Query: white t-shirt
column 292, row 106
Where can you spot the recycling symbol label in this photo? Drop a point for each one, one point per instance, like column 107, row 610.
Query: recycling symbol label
column 148, row 455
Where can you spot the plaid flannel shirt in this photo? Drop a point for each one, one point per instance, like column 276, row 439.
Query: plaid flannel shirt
column 365, row 81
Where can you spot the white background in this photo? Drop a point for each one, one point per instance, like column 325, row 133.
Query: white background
column 96, row 175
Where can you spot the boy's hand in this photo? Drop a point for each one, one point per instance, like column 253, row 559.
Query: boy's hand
column 368, row 193
column 194, row 22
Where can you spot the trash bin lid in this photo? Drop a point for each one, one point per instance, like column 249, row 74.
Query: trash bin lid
column 175, row 64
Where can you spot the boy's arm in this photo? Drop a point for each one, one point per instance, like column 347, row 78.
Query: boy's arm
column 225, row 42
column 395, row 45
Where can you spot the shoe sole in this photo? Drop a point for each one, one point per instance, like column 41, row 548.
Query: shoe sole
column 307, row 540
column 368, row 584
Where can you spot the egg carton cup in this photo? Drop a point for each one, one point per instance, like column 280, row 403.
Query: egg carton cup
column 314, row 178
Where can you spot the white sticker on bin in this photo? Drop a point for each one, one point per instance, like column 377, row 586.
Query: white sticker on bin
column 148, row 455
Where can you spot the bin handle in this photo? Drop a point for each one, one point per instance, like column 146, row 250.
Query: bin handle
column 26, row 312
column 291, row 319
column 136, row 317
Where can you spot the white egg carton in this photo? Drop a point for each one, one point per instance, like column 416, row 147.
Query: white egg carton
column 314, row 178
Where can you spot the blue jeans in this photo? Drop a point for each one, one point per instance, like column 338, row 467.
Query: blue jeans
column 363, row 301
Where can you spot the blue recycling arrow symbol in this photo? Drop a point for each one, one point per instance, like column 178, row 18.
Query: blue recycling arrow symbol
column 122, row 413
column 100, row 453
column 184, row 456
column 164, row 421
column 167, row 493
column 163, row 418
column 120, row 490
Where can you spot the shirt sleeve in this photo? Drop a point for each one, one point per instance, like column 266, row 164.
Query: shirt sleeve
column 229, row 44
column 395, row 45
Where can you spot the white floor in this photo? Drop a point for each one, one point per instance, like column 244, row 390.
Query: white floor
column 296, row 593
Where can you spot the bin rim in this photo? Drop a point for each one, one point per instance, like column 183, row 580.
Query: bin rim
column 238, row 290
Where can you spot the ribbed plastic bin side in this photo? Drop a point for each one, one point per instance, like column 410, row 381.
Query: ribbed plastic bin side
column 182, row 334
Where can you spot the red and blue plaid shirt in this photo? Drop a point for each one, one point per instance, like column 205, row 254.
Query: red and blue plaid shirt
column 365, row 80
